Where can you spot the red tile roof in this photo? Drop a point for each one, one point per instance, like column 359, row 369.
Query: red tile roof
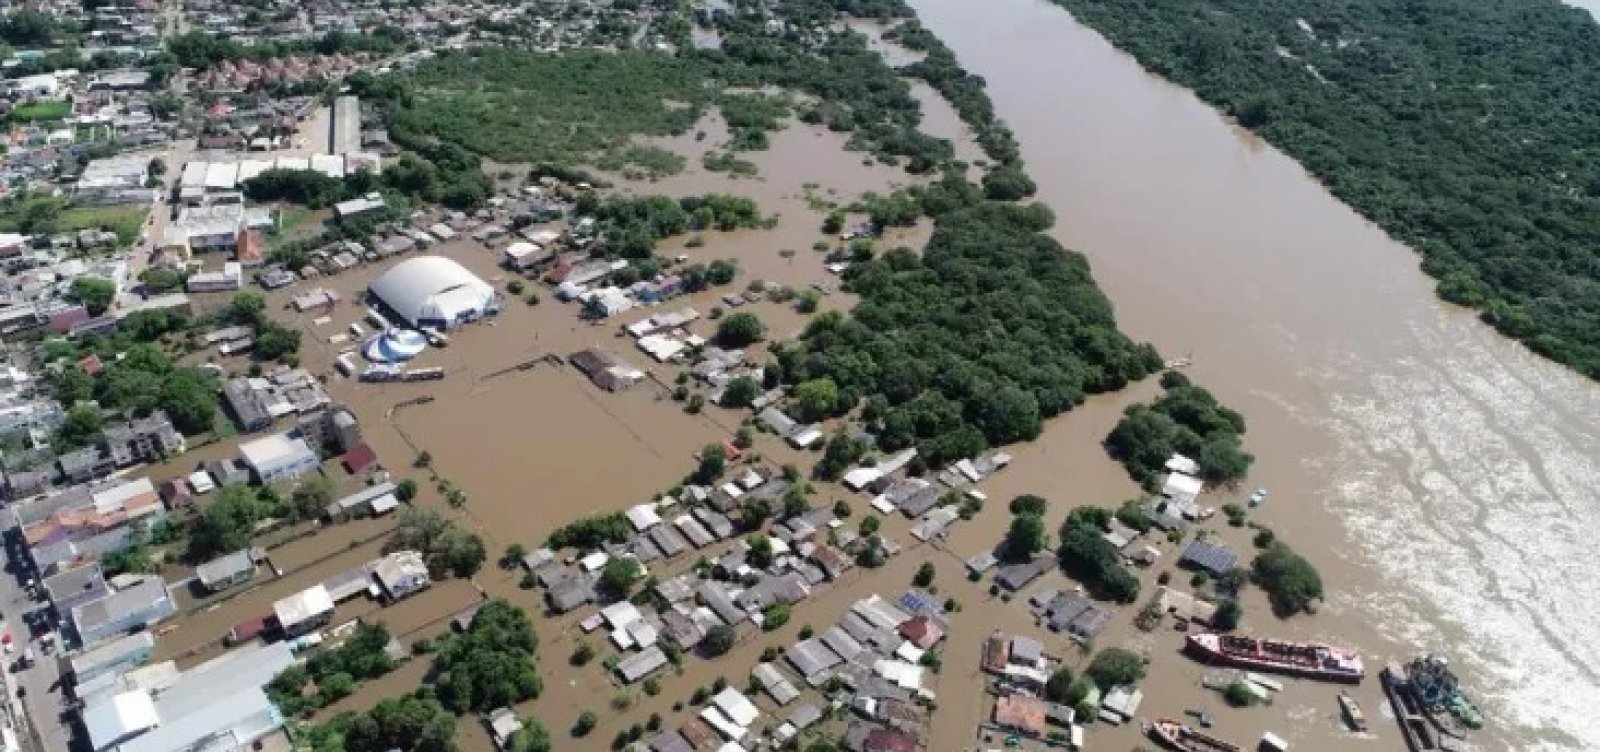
column 922, row 632
column 361, row 459
column 884, row 740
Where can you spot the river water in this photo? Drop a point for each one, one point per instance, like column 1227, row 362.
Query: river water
column 1438, row 474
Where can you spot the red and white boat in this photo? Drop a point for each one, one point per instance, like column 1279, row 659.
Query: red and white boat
column 1175, row 735
column 1304, row 659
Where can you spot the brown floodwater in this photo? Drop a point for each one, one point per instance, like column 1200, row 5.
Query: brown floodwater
column 1434, row 471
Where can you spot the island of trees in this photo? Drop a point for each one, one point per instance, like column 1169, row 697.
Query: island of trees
column 1462, row 127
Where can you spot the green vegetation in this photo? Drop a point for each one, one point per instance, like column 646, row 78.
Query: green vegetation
column 631, row 227
column 1030, row 504
column 491, row 665
column 740, row 392
column 619, row 575
column 1114, row 666
column 333, row 673
column 740, row 330
column 725, row 161
column 774, row 617
column 1238, row 695
column 39, row 111
column 230, row 520
column 718, row 640
column 1087, row 556
column 198, row 49
column 1461, row 127
column 144, row 380
column 414, row 723
column 924, row 576
column 1185, row 419
column 448, row 549
column 1024, row 538
column 516, row 106
column 1227, row 616
column 48, row 215
column 590, row 532
column 993, row 329
column 1291, row 582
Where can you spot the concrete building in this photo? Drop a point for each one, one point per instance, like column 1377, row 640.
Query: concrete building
column 116, row 180
column 229, row 278
column 139, row 606
column 280, row 456
column 433, row 291
column 400, row 574
column 147, row 439
column 345, row 126
column 217, row 705
column 303, row 611
column 226, row 571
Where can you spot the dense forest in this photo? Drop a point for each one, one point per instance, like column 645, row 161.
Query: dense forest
column 993, row 329
column 1465, row 128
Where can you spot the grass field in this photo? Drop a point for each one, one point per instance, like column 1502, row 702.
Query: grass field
column 37, row 111
column 125, row 221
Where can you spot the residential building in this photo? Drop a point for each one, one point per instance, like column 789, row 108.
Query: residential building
column 111, row 656
column 148, row 439
column 219, row 704
column 138, row 606
column 400, row 574
column 304, row 611
column 226, row 571
column 277, row 457
column 231, row 277
column 74, row 587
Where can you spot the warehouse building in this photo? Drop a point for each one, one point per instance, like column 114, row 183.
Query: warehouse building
column 436, row 292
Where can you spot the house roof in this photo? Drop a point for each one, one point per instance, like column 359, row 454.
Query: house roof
column 302, row 606
column 225, row 567
column 1213, row 557
column 1020, row 712
column 360, row 459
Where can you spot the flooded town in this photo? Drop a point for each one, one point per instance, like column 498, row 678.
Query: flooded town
column 876, row 375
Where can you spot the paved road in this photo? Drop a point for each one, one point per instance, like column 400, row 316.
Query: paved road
column 43, row 700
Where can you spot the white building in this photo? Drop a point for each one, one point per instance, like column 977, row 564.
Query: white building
column 433, row 291
column 278, row 457
column 230, row 277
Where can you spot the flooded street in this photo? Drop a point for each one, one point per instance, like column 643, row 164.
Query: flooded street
column 1435, row 472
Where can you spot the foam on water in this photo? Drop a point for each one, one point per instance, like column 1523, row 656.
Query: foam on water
column 1466, row 472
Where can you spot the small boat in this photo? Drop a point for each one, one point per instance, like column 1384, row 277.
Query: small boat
column 1175, row 735
column 1352, row 712
column 1258, row 498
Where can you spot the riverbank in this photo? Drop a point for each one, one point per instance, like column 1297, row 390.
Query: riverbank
column 1431, row 469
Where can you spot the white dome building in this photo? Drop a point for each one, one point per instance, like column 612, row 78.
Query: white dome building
column 433, row 291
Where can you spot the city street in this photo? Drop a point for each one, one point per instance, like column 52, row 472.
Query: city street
column 43, row 701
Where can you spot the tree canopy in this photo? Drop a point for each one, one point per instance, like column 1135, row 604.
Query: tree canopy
column 1187, row 420
column 1462, row 127
column 448, row 549
column 995, row 328
column 491, row 665
column 1291, row 582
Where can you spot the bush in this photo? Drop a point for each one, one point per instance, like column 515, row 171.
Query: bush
column 924, row 576
column 718, row 641
column 1291, row 582
column 586, row 723
column 1226, row 619
column 1239, row 695
column 1114, row 666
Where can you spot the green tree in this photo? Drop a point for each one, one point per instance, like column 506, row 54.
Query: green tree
column 586, row 723
column 158, row 279
column 815, row 399
column 81, row 427
column 924, row 576
column 740, row 329
column 740, row 392
column 532, row 737
column 773, row 617
column 1059, row 687
column 1291, row 582
column 1227, row 616
column 276, row 342
column 94, row 293
column 718, row 640
column 247, row 309
column 713, row 461
column 226, row 524
column 405, row 490
column 1029, row 504
column 492, row 664
column 1114, row 666
column 312, row 497
column 619, row 575
column 1024, row 538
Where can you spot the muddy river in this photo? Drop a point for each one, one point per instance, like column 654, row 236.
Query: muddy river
column 1435, row 472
